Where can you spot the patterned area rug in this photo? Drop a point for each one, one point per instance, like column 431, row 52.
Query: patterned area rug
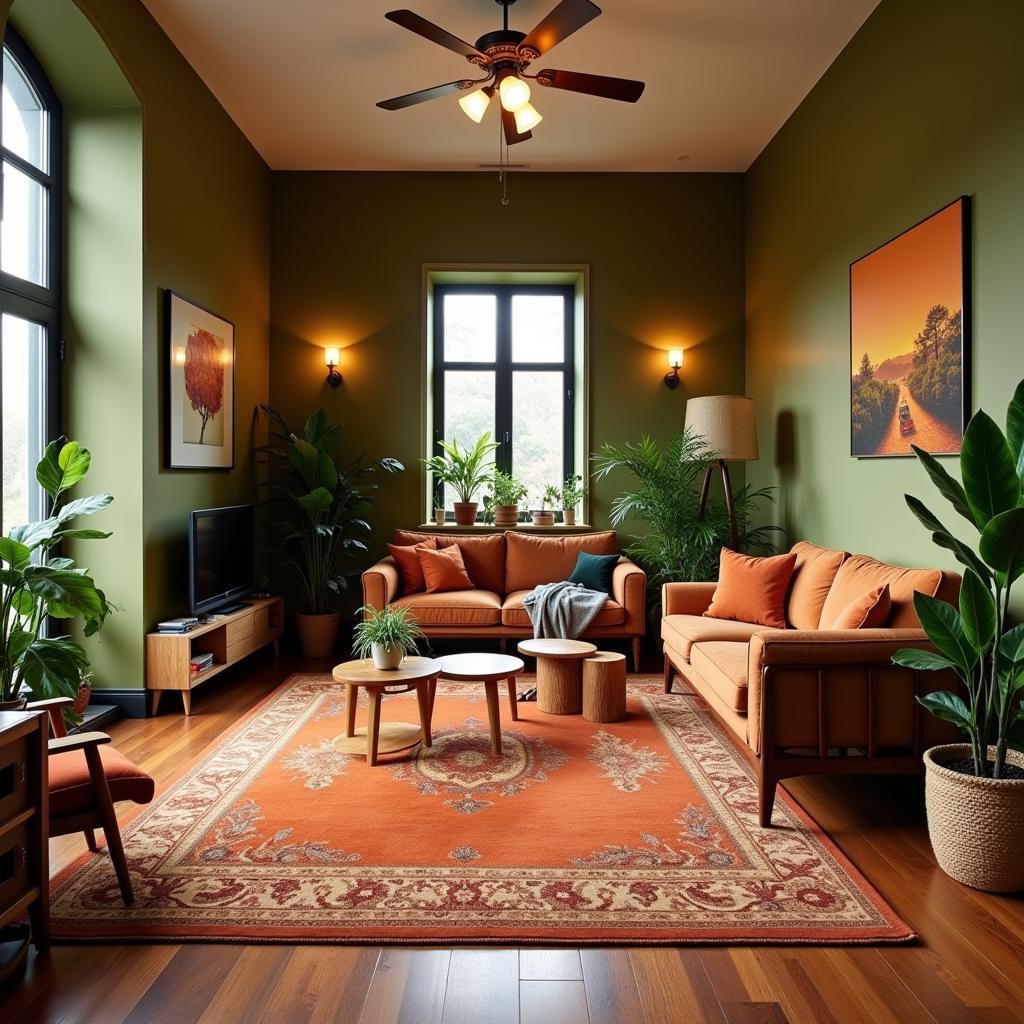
column 641, row 831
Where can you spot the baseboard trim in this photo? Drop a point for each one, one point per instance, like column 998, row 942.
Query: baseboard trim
column 131, row 701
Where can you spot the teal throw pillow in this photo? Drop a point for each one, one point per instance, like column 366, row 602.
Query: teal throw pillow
column 595, row 571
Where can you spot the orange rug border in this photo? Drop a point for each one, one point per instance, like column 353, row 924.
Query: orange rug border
column 898, row 933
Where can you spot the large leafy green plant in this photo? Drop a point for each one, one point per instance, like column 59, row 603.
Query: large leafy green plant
column 678, row 544
column 37, row 585
column 465, row 469
column 318, row 509
column 974, row 641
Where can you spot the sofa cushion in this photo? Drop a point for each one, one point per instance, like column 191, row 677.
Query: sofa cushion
column 870, row 611
column 682, row 631
column 860, row 574
column 594, row 571
column 71, row 789
column 816, row 568
column 484, row 556
column 752, row 589
column 454, row 608
column 723, row 666
column 546, row 559
column 514, row 614
column 408, row 561
column 444, row 570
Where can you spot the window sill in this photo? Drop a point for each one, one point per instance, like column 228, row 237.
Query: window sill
column 521, row 528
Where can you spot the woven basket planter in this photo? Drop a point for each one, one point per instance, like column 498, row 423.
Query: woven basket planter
column 317, row 633
column 975, row 824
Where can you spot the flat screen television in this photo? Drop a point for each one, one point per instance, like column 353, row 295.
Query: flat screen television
column 220, row 557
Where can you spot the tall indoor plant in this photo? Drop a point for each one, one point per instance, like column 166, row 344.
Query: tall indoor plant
column 466, row 470
column 318, row 518
column 37, row 585
column 975, row 791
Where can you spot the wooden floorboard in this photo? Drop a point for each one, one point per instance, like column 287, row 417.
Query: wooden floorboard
column 968, row 965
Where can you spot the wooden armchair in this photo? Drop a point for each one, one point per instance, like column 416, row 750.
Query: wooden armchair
column 86, row 777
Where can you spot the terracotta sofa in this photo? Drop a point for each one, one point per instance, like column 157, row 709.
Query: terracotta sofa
column 505, row 567
column 808, row 699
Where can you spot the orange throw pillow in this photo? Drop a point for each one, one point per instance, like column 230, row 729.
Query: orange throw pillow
column 752, row 589
column 444, row 569
column 409, row 569
column 869, row 611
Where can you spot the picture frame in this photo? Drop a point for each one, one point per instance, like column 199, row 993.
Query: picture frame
column 910, row 339
column 200, row 389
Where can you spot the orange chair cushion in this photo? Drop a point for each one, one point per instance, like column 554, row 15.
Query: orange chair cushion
column 463, row 608
column 484, row 557
column 860, row 574
column 444, row 570
column 410, row 571
column 71, row 789
column 723, row 667
column 870, row 611
column 546, row 559
column 513, row 613
column 752, row 589
column 816, row 568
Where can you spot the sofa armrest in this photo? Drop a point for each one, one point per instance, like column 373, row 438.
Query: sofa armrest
column 830, row 647
column 380, row 584
column 629, row 588
column 686, row 598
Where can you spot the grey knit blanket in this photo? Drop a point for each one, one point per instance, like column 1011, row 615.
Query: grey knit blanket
column 562, row 610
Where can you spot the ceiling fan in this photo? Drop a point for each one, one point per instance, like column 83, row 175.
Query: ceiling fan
column 505, row 55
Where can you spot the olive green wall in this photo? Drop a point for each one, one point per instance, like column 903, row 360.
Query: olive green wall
column 665, row 255
column 202, row 194
column 926, row 103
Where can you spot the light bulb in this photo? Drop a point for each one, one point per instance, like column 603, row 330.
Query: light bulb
column 332, row 356
column 514, row 92
column 675, row 358
column 475, row 105
column 527, row 117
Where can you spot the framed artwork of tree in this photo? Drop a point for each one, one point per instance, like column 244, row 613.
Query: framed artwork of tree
column 200, row 393
column 910, row 324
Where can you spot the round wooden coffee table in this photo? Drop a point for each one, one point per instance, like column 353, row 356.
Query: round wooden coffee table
column 488, row 669
column 384, row 737
column 559, row 673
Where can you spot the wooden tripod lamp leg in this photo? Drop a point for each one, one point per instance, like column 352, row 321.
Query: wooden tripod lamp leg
column 734, row 538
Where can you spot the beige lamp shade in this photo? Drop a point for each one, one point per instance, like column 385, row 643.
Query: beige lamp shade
column 727, row 424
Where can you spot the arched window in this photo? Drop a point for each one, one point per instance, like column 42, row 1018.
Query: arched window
column 30, row 279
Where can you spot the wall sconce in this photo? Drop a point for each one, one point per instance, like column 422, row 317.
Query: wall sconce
column 332, row 356
column 675, row 361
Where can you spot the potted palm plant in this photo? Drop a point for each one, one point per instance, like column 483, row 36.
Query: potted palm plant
column 37, row 586
column 573, row 492
column 386, row 636
column 466, row 470
column 974, row 792
column 544, row 514
column 502, row 504
column 318, row 519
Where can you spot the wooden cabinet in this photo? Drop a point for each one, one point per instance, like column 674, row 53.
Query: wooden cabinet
column 229, row 638
column 24, row 853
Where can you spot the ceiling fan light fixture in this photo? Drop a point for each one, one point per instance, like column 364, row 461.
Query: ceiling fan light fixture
column 527, row 117
column 474, row 106
column 514, row 93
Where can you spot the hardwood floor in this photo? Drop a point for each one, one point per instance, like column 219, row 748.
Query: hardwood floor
column 968, row 966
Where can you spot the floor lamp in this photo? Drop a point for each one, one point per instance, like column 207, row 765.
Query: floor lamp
column 728, row 427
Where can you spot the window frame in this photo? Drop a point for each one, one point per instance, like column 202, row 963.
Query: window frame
column 40, row 304
column 504, row 367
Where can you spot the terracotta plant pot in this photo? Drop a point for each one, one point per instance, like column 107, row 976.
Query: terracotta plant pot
column 569, row 516
column 13, row 705
column 543, row 517
column 506, row 515
column 386, row 659
column 317, row 633
column 974, row 824
column 465, row 512
column 82, row 700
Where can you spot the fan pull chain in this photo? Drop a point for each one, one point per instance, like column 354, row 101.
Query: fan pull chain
column 503, row 171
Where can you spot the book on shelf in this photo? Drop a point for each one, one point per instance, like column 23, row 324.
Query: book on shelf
column 182, row 625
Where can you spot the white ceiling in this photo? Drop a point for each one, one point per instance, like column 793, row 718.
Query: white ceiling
column 301, row 79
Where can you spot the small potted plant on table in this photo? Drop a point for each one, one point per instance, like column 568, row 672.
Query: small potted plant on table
column 386, row 636
column 974, row 792
column 573, row 492
column 466, row 470
column 503, row 501
column 545, row 515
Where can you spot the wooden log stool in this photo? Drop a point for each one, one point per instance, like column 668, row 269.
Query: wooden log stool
column 604, row 687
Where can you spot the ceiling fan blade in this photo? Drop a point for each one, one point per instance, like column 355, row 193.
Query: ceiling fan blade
column 568, row 17
column 412, row 98
column 512, row 133
column 625, row 89
column 414, row 23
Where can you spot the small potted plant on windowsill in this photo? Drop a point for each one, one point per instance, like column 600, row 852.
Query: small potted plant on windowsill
column 502, row 504
column 573, row 492
column 386, row 636
column 545, row 515
column 466, row 470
